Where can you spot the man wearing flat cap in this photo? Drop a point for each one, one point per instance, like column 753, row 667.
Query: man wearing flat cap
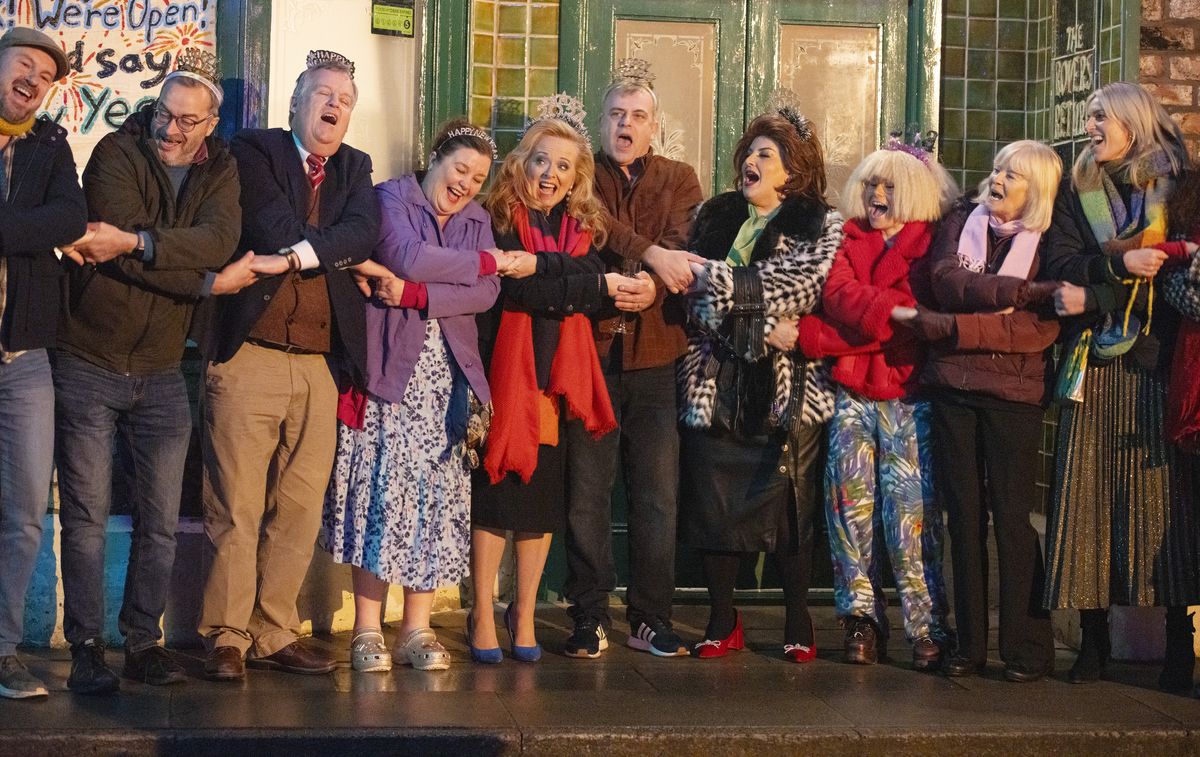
column 41, row 207
column 278, row 349
column 162, row 195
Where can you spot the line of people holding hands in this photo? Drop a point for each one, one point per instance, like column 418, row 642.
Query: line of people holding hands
column 408, row 378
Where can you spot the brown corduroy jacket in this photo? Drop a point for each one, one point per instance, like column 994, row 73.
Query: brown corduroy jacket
column 656, row 208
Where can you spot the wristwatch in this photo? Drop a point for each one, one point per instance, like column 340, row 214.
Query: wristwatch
column 139, row 249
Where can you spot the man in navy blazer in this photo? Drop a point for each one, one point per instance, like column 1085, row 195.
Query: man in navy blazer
column 278, row 348
column 41, row 207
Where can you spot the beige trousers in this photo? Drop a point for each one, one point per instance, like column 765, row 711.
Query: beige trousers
column 270, row 433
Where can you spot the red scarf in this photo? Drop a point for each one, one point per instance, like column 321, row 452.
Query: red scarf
column 1183, row 391
column 575, row 373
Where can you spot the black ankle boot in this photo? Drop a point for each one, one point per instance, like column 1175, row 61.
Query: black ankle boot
column 1094, row 647
column 1179, row 658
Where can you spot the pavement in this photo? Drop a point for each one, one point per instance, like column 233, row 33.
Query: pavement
column 751, row 702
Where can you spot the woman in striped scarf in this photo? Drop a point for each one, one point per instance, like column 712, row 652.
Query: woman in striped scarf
column 1122, row 526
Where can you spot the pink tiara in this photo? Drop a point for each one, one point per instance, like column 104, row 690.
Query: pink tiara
column 920, row 147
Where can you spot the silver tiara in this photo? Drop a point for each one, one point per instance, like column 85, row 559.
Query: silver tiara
column 318, row 58
column 470, row 131
column 563, row 107
column 785, row 102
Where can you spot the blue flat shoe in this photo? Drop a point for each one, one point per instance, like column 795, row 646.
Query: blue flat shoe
column 520, row 654
column 485, row 656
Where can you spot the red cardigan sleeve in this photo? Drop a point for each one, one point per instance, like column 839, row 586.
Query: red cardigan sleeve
column 857, row 306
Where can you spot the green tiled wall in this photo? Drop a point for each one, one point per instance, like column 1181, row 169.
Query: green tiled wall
column 514, row 63
column 997, row 74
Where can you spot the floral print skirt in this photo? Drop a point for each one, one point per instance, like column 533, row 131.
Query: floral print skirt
column 399, row 502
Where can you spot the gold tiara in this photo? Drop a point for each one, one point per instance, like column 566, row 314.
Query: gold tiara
column 200, row 65
column 328, row 58
column 635, row 71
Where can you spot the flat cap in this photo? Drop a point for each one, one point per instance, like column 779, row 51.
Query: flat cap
column 21, row 36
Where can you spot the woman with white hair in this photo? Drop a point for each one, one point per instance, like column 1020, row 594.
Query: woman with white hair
column 1122, row 526
column 986, row 371
column 878, row 469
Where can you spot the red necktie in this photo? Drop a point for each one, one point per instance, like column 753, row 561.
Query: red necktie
column 316, row 170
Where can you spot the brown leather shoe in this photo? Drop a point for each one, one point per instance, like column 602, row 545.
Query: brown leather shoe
column 295, row 658
column 927, row 655
column 224, row 664
column 861, row 638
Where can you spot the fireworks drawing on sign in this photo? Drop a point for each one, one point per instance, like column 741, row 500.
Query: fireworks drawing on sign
column 179, row 38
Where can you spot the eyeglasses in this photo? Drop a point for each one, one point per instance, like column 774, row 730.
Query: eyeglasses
column 186, row 124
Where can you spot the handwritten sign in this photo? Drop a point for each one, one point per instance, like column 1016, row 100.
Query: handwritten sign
column 119, row 52
column 1074, row 78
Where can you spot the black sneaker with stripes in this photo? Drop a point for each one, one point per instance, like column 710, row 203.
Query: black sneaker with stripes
column 657, row 638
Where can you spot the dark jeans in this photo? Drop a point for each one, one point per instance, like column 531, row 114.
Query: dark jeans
column 986, row 458
column 26, row 460
column 151, row 413
column 648, row 445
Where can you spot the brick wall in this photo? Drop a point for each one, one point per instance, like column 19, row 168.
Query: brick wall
column 1170, row 61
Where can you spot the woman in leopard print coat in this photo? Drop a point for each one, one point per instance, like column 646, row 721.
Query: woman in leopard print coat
column 753, row 409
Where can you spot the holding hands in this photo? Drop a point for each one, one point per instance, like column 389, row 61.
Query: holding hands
column 675, row 267
column 631, row 294
column 514, row 264
column 100, row 243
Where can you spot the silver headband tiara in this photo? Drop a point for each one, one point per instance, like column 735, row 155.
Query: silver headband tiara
column 785, row 102
column 318, row 58
column 469, row 131
column 563, row 107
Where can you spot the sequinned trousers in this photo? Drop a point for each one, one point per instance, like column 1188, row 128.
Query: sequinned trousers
column 878, row 482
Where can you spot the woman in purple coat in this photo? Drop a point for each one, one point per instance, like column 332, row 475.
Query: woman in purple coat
column 398, row 508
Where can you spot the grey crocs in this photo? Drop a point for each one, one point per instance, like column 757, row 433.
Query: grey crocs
column 369, row 652
column 422, row 650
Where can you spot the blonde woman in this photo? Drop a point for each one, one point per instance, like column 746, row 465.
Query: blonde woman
column 542, row 366
column 1123, row 524
column 987, row 372
column 879, row 464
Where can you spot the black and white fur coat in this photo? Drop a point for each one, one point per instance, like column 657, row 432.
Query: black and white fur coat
column 790, row 261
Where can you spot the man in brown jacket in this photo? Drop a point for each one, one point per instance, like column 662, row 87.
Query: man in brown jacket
column 651, row 200
column 162, row 196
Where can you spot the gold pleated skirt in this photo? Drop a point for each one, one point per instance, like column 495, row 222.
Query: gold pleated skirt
column 1123, row 527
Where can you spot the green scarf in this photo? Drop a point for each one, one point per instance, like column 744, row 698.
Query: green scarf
column 743, row 243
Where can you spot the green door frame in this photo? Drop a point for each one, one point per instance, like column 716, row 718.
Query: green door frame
column 244, row 55
column 585, row 67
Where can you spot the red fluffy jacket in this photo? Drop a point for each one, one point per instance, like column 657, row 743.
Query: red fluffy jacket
column 854, row 322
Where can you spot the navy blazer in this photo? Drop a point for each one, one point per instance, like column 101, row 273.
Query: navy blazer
column 275, row 197
column 44, row 209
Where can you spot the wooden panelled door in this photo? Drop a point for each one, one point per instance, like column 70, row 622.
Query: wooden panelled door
column 716, row 63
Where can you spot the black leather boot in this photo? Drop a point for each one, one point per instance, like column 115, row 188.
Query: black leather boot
column 1094, row 648
column 1179, row 658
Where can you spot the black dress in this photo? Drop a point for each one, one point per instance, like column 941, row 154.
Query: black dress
column 562, row 286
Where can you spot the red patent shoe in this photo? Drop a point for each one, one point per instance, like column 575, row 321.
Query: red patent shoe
column 721, row 647
column 799, row 652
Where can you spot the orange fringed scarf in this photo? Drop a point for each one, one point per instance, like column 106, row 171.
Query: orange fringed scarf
column 575, row 373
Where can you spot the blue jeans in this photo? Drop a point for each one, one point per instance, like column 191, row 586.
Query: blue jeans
column 151, row 413
column 26, row 460
column 647, row 442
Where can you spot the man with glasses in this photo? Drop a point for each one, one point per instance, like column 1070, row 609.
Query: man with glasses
column 162, row 196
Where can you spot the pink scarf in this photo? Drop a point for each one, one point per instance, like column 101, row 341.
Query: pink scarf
column 972, row 244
